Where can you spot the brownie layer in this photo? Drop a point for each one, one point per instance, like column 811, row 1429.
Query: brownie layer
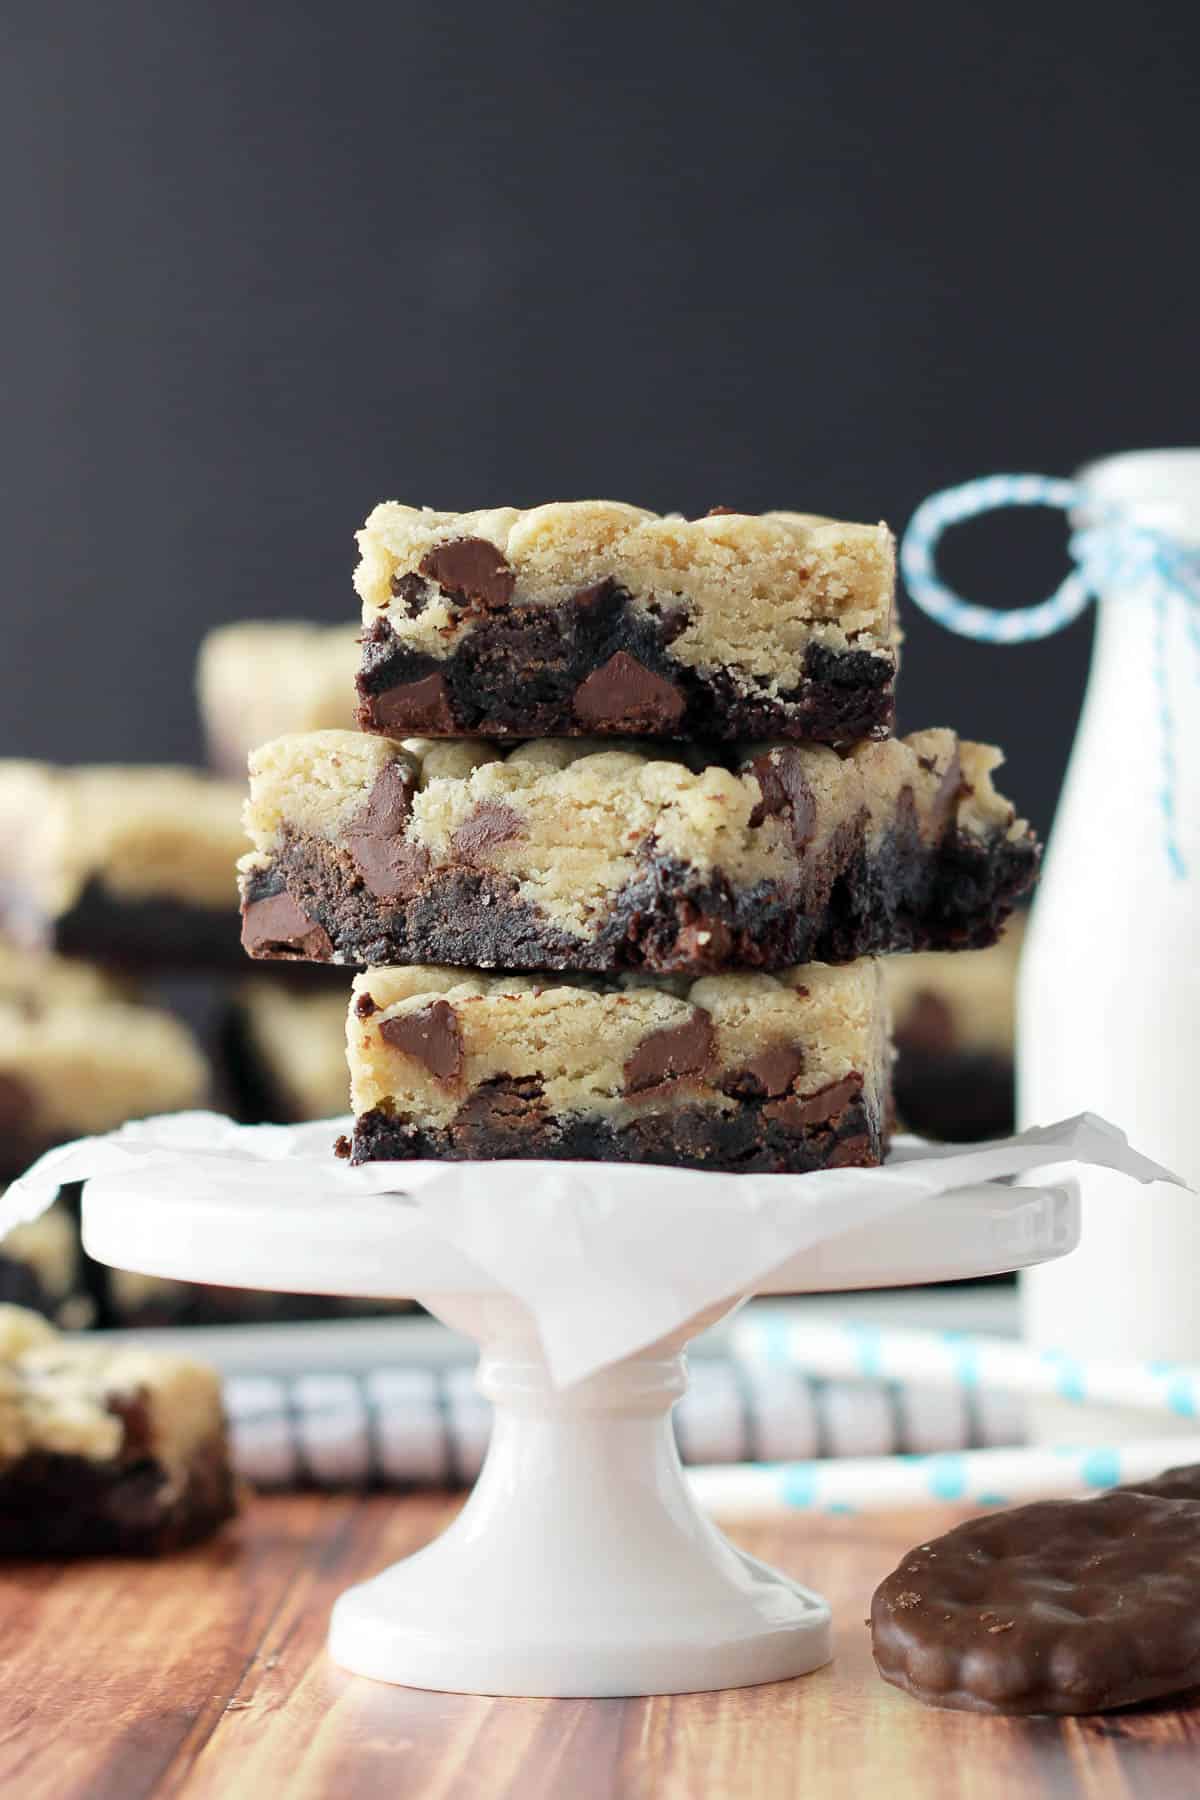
column 593, row 666
column 57, row 1505
column 507, row 1118
column 904, row 897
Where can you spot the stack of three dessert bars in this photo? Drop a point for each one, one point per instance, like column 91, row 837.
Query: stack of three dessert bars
column 622, row 838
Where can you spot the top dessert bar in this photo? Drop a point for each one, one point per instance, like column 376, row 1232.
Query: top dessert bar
column 571, row 854
column 259, row 679
column 121, row 865
column 592, row 618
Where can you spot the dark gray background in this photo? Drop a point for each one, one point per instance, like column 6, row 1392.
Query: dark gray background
column 267, row 264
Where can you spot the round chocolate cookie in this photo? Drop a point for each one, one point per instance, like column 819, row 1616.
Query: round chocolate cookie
column 1180, row 1483
column 1065, row 1606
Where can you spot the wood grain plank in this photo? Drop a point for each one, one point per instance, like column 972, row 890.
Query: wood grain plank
column 205, row 1677
column 111, row 1670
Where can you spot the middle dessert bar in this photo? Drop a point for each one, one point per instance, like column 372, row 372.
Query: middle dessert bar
column 784, row 1073
column 565, row 854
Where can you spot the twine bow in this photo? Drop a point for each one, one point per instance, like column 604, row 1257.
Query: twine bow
column 1112, row 554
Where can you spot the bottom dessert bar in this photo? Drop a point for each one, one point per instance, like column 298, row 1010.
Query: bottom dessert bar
column 105, row 1449
column 786, row 1073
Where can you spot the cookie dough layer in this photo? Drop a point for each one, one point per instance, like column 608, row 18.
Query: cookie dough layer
column 594, row 618
column 126, row 865
column 69, row 1071
column 105, row 1449
column 954, row 1020
column 567, row 854
column 257, row 680
column 736, row 1072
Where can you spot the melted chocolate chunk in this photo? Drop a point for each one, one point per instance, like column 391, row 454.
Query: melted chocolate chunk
column 419, row 708
column 432, row 1036
column 365, row 1007
column 491, row 823
column 825, row 1106
column 471, row 570
column 672, row 1053
column 623, row 694
column 277, row 926
column 768, row 1075
column 391, row 868
column 503, row 1117
column 784, row 788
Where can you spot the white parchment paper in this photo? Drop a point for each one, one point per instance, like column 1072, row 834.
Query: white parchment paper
column 609, row 1257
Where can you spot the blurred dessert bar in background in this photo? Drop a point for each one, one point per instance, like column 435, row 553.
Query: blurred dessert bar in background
column 954, row 1019
column 288, row 1050
column 71, row 1067
column 260, row 679
column 105, row 1448
column 126, row 865
column 595, row 618
column 740, row 1072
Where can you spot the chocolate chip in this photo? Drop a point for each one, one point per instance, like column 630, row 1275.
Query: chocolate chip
column 390, row 867
column 432, row 1036
column 767, row 1075
column 389, row 804
column 623, row 694
column 365, row 1006
column 784, row 789
column 342, row 1147
column 278, row 927
column 412, row 592
column 418, row 708
column 670, row 1054
column 821, row 1108
column 503, row 1115
column 491, row 823
column 471, row 570
column 950, row 791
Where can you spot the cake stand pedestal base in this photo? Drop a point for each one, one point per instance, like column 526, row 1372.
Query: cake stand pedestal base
column 580, row 1565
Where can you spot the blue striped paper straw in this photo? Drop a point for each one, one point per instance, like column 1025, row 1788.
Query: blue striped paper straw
column 853, row 1484
column 770, row 1338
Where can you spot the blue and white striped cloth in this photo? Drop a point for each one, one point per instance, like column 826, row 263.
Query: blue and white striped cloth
column 426, row 1426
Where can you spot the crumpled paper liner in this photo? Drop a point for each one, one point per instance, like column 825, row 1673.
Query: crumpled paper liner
column 609, row 1257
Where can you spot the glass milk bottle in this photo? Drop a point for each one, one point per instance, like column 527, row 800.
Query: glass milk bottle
column 1110, row 981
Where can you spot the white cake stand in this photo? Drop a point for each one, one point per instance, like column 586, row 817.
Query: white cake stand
column 580, row 1564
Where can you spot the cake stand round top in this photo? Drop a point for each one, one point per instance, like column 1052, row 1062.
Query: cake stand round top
column 385, row 1246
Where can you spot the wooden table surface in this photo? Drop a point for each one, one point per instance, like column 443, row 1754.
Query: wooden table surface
column 206, row 1675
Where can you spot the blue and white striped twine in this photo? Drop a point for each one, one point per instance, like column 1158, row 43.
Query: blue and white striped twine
column 1113, row 555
